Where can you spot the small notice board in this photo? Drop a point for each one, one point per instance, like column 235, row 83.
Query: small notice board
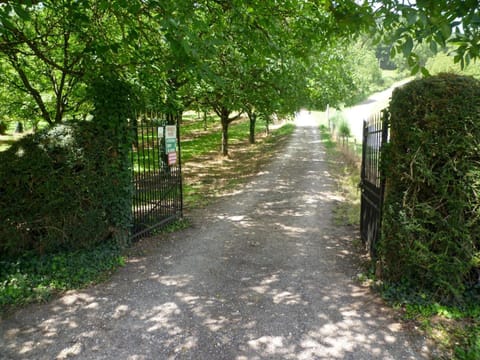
column 171, row 144
column 172, row 158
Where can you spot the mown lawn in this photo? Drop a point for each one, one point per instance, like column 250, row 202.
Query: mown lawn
column 207, row 174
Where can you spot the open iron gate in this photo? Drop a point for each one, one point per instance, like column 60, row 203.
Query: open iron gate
column 157, row 178
column 375, row 134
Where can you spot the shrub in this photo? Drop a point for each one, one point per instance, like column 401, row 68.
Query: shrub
column 344, row 130
column 335, row 121
column 36, row 278
column 69, row 187
column 431, row 226
column 59, row 190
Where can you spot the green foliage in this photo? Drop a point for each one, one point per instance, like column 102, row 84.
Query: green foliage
column 69, row 186
column 331, row 80
column 271, row 56
column 114, row 106
column 336, row 120
column 55, row 191
column 33, row 278
column 455, row 329
column 442, row 62
column 434, row 23
column 326, row 138
column 344, row 130
column 365, row 69
column 468, row 343
column 3, row 127
column 43, row 77
column 347, row 74
column 431, row 227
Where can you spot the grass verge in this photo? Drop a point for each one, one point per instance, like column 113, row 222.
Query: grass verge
column 34, row 278
column 345, row 167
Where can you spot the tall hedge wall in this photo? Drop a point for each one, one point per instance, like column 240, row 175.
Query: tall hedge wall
column 431, row 225
column 69, row 186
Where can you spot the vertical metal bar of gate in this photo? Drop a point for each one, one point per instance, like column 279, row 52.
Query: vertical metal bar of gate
column 375, row 134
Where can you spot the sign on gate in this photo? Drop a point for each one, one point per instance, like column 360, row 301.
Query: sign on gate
column 160, row 132
column 170, row 132
column 171, row 144
column 172, row 158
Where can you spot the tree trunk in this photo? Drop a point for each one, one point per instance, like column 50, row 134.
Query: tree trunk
column 253, row 119
column 225, row 123
column 61, row 98
column 225, row 119
column 170, row 118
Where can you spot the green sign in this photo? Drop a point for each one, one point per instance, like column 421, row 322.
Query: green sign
column 170, row 145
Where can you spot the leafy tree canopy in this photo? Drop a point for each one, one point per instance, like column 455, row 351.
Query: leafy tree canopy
column 178, row 53
column 437, row 23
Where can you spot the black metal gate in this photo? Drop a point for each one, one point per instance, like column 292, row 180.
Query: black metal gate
column 375, row 134
column 157, row 178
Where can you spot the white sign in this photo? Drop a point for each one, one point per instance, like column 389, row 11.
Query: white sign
column 170, row 132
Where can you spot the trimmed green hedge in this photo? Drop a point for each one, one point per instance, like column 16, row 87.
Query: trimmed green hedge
column 69, row 187
column 62, row 188
column 431, row 225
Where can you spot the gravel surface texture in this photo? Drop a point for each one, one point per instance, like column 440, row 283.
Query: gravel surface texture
column 263, row 273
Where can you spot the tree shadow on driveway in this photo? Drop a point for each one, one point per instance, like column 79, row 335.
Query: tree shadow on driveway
column 262, row 274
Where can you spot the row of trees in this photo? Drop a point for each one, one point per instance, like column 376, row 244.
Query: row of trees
column 252, row 56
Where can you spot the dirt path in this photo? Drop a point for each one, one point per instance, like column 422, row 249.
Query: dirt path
column 262, row 274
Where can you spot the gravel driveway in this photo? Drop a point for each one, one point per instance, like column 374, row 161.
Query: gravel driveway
column 262, row 274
